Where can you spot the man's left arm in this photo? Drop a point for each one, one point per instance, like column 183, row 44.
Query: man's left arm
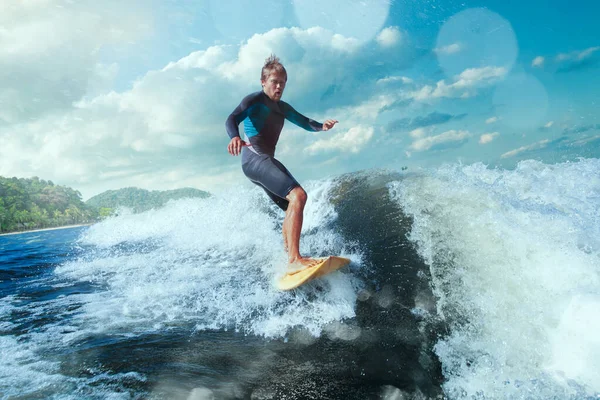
column 304, row 122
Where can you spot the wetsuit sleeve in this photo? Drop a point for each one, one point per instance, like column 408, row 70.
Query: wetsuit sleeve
column 303, row 122
column 238, row 115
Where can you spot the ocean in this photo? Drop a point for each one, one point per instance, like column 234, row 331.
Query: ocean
column 466, row 282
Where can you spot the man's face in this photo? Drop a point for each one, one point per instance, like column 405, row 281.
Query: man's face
column 273, row 86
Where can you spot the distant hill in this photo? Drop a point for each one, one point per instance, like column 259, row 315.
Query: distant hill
column 34, row 203
column 139, row 200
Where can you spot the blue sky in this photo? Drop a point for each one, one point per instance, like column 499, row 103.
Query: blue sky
column 102, row 96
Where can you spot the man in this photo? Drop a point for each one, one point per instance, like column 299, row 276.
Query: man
column 263, row 114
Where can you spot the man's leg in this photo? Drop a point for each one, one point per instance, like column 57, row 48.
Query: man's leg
column 284, row 231
column 292, row 228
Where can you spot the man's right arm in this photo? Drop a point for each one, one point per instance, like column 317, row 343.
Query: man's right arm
column 232, row 125
column 238, row 115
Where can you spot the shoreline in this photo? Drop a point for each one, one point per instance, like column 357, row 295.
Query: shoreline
column 46, row 229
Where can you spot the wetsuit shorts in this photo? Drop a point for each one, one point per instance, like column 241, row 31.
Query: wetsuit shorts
column 270, row 174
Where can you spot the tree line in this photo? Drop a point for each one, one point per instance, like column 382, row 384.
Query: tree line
column 139, row 200
column 34, row 203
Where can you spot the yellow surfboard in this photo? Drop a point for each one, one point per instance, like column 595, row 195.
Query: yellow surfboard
column 324, row 267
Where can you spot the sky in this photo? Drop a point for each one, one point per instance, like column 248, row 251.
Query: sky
column 111, row 94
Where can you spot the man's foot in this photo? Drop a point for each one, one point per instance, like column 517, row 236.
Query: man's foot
column 301, row 264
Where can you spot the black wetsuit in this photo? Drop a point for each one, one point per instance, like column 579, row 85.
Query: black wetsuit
column 263, row 120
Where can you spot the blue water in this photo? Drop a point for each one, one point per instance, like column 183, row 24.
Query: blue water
column 465, row 282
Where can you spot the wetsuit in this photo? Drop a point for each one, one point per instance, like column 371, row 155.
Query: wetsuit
column 263, row 120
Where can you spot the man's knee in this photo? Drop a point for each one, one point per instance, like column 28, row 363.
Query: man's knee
column 297, row 195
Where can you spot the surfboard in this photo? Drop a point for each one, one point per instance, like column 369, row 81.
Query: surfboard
column 325, row 266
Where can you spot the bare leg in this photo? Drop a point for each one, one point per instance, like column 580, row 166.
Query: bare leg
column 292, row 227
column 285, row 237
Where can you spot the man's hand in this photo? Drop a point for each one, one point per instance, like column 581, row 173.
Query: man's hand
column 327, row 125
column 235, row 146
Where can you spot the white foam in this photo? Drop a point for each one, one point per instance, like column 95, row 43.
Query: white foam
column 515, row 263
column 211, row 263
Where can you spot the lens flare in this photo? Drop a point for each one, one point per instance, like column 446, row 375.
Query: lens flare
column 232, row 20
column 361, row 20
column 476, row 38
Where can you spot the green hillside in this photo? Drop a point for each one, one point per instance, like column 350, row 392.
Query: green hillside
column 139, row 200
column 34, row 203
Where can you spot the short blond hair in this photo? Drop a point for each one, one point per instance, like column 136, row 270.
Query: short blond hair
column 272, row 64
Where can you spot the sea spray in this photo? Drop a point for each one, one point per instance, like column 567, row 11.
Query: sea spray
column 514, row 258
column 211, row 263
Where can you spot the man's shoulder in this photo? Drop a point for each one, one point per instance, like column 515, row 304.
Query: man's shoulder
column 253, row 98
column 284, row 106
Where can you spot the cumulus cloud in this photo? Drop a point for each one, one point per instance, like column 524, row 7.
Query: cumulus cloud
column 538, row 61
column 572, row 61
column 488, row 137
column 394, row 80
column 168, row 128
column 492, row 120
column 450, row 49
column 433, row 118
column 464, row 85
column 418, row 133
column 389, row 37
column 49, row 52
column 578, row 55
column 535, row 146
column 452, row 138
column 351, row 141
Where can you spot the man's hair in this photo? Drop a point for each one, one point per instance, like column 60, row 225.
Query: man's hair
column 272, row 64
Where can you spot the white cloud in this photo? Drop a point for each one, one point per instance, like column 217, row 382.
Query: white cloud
column 464, row 84
column 389, row 37
column 426, row 143
column 535, row 146
column 577, row 55
column 492, row 120
column 587, row 53
column 49, row 52
column 538, row 61
column 351, row 141
column 394, row 79
column 549, row 124
column 450, row 49
column 172, row 119
column 488, row 137
column 418, row 133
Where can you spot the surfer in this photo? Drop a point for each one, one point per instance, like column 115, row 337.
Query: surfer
column 263, row 114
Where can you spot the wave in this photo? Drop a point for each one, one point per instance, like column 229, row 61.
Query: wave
column 514, row 258
column 465, row 282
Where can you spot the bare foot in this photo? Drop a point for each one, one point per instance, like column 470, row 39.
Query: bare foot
column 301, row 264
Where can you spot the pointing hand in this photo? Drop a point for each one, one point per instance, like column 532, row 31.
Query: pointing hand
column 327, row 125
